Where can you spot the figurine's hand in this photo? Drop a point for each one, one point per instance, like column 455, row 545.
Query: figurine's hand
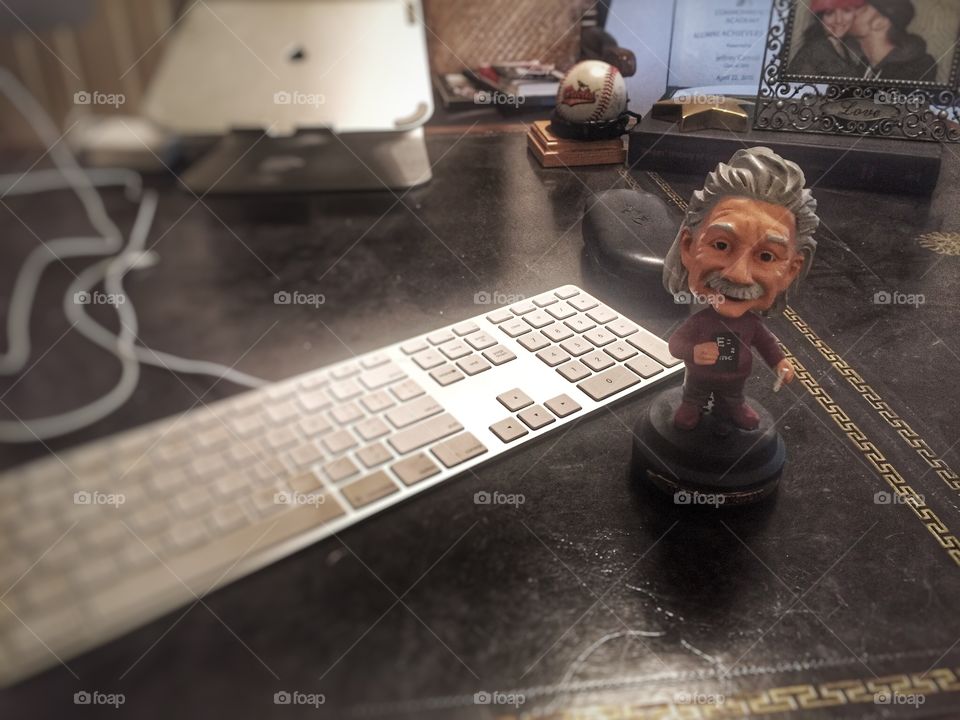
column 706, row 353
column 785, row 370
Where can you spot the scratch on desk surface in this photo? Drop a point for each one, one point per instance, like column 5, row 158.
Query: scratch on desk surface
column 582, row 658
column 700, row 653
column 658, row 607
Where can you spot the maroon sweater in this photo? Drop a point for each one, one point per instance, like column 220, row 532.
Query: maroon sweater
column 706, row 325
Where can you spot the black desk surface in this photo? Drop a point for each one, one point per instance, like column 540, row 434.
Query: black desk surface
column 593, row 593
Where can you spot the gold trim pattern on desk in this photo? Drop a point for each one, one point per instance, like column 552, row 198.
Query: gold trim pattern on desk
column 878, row 460
column 892, row 418
column 773, row 700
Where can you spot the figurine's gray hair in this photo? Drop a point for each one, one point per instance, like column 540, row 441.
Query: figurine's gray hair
column 757, row 173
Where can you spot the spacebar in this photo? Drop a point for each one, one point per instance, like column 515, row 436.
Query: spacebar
column 208, row 566
column 609, row 383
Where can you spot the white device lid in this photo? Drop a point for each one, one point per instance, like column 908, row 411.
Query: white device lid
column 345, row 65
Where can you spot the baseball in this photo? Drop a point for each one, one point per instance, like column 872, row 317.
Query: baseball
column 593, row 91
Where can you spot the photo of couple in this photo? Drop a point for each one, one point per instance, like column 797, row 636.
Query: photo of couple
column 865, row 39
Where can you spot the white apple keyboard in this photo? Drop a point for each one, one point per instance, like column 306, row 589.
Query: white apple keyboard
column 109, row 535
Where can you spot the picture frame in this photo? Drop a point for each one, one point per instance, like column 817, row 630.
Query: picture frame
column 910, row 93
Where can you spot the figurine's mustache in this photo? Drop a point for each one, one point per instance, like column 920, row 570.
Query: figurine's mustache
column 716, row 281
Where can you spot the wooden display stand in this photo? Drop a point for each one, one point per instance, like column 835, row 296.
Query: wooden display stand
column 553, row 151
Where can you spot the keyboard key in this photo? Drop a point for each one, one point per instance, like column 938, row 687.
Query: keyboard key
column 566, row 292
column 602, row 315
column 580, row 323
column 620, row 350
column 536, row 417
column 245, row 425
column 538, row 319
column 340, row 469
column 375, row 360
column 377, row 402
column 369, row 489
column 557, row 332
column 480, row 341
column 608, row 383
column 427, row 432
column 653, row 346
column 515, row 328
column 523, row 308
column 534, row 341
column 346, row 413
column 553, row 356
column 414, row 346
column 314, row 425
column 278, row 412
column 576, row 346
column 600, row 337
column 574, row 371
column 315, row 400
column 276, row 439
column 561, row 311
column 508, row 430
column 562, row 405
column 514, row 400
column 313, row 380
column 341, row 372
column 307, row 454
column 227, row 485
column 458, row 449
column 499, row 316
column 305, row 483
column 498, row 355
column 439, row 337
column 346, row 390
column 185, row 535
column 380, row 376
column 597, row 360
column 339, row 442
column 220, row 434
column 415, row 468
column 407, row 390
column 454, row 349
column 583, row 302
column 644, row 367
column 371, row 428
column 412, row 412
column 428, row 359
column 149, row 520
column 446, row 375
column 465, row 328
column 269, row 468
column 544, row 300
column 227, row 517
column 373, row 455
column 473, row 365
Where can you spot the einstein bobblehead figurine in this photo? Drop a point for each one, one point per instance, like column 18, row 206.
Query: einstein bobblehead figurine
column 746, row 239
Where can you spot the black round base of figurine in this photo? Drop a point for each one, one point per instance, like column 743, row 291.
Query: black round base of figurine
column 714, row 464
column 595, row 130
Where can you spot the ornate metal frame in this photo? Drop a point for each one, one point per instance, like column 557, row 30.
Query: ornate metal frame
column 902, row 109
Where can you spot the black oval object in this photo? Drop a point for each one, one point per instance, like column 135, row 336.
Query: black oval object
column 628, row 232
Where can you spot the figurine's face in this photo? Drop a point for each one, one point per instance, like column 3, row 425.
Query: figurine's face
column 742, row 256
column 838, row 22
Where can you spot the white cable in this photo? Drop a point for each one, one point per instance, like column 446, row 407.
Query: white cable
column 69, row 174
column 111, row 272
